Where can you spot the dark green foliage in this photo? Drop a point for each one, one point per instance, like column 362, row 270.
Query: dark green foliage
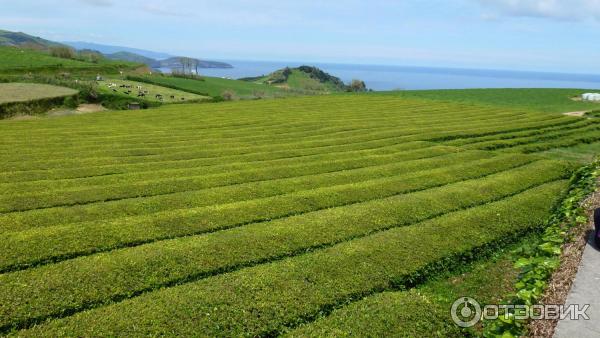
column 321, row 76
column 593, row 114
column 70, row 102
column 32, row 107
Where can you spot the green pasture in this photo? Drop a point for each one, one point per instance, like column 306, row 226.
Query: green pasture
column 545, row 100
column 150, row 91
column 214, row 86
column 23, row 92
column 303, row 216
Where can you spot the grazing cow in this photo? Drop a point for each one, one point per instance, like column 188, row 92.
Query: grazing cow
column 139, row 87
column 122, row 86
column 114, row 90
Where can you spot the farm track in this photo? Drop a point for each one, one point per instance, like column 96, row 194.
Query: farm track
column 258, row 217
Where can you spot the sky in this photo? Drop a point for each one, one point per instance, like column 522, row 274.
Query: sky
column 542, row 35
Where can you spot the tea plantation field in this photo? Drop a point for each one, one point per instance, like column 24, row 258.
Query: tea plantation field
column 302, row 216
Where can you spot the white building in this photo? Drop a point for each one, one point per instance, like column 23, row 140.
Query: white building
column 591, row 97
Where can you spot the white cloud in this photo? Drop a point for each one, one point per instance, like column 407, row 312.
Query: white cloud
column 555, row 9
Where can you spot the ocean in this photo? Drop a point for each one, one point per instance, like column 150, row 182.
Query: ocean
column 379, row 77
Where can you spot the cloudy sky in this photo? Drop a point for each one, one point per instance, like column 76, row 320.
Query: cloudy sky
column 550, row 35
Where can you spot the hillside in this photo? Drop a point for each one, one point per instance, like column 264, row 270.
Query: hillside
column 8, row 38
column 301, row 78
column 213, row 86
column 175, row 63
column 17, row 59
column 149, row 58
column 14, row 58
column 110, row 49
column 133, row 57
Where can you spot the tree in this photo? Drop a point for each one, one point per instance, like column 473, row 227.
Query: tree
column 189, row 64
column 62, row 52
column 228, row 95
column 90, row 56
column 358, row 86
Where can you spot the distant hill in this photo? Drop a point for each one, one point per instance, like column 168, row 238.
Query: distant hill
column 16, row 59
column 109, row 49
column 8, row 38
column 150, row 58
column 174, row 63
column 303, row 77
column 133, row 57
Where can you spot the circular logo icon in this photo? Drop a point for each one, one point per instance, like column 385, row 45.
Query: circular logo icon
column 466, row 312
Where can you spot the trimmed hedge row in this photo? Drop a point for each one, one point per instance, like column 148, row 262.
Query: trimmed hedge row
column 201, row 256
column 264, row 300
column 183, row 182
column 406, row 135
column 18, row 221
column 574, row 123
column 536, row 139
column 19, row 250
column 31, row 107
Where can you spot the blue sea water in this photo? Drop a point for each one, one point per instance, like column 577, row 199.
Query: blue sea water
column 379, row 77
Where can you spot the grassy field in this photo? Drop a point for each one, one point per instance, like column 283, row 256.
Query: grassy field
column 214, row 86
column 169, row 95
column 19, row 92
column 545, row 100
column 25, row 60
column 301, row 216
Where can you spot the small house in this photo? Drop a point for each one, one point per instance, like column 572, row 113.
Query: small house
column 134, row 106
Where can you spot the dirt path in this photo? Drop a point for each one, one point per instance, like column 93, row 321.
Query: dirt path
column 90, row 108
column 576, row 113
column 82, row 109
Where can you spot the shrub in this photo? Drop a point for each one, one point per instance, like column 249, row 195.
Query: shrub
column 358, row 86
column 63, row 52
column 228, row 95
column 70, row 102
